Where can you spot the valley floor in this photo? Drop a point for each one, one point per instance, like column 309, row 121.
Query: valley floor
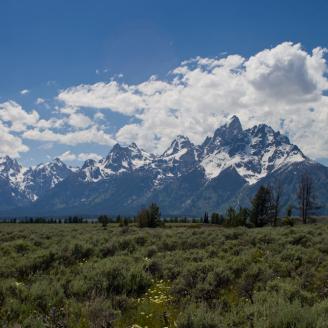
column 183, row 275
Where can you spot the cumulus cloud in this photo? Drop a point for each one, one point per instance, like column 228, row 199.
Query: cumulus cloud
column 79, row 120
column 283, row 86
column 287, row 73
column 275, row 85
column 110, row 95
column 90, row 135
column 10, row 144
column 40, row 101
column 69, row 156
column 17, row 118
column 24, row 92
column 99, row 116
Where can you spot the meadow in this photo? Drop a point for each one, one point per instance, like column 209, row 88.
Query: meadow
column 180, row 275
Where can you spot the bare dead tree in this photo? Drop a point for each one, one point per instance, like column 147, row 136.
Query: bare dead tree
column 305, row 196
column 276, row 191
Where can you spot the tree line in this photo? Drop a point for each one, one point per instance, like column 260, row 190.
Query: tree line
column 266, row 207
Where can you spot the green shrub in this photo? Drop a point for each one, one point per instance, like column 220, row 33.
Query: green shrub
column 72, row 275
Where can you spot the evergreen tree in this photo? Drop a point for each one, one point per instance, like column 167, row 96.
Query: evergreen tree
column 154, row 215
column 205, row 218
column 149, row 217
column 243, row 216
column 103, row 219
column 215, row 217
column 123, row 221
column 289, row 211
column 235, row 219
column 261, row 207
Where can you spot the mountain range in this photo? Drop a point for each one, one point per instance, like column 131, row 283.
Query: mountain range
column 187, row 179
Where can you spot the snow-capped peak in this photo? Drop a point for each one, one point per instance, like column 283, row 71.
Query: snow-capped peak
column 31, row 182
column 119, row 160
column 126, row 158
column 253, row 152
column 179, row 146
column 229, row 130
column 8, row 164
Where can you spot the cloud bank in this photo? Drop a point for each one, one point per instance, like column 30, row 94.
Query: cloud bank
column 284, row 86
column 68, row 156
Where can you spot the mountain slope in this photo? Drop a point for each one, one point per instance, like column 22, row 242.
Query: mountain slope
column 254, row 152
column 20, row 186
column 288, row 176
column 187, row 179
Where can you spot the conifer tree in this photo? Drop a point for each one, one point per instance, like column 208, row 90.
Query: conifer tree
column 261, row 207
column 149, row 217
column 205, row 219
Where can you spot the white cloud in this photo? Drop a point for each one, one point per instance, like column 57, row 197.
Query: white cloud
column 24, row 92
column 69, row 156
column 110, row 95
column 40, row 101
column 17, row 118
column 287, row 73
column 99, row 116
column 79, row 120
column 9, row 144
column 274, row 85
column 90, row 135
column 85, row 156
column 52, row 123
column 283, row 86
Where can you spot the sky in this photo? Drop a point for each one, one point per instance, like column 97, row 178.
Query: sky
column 76, row 77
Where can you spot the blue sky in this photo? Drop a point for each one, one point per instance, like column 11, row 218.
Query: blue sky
column 48, row 47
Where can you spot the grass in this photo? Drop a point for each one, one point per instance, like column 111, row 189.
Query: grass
column 183, row 275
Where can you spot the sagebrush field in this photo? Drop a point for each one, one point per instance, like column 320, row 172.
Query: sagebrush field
column 182, row 275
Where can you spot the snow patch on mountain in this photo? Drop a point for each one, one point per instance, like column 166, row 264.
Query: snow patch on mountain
column 253, row 153
column 33, row 181
column 119, row 160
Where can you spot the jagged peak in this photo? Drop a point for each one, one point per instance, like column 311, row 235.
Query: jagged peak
column 233, row 122
column 179, row 142
column 7, row 158
column 55, row 162
column 230, row 129
column 132, row 149
column 58, row 161
column 8, row 163
column 115, row 151
column 133, row 145
column 88, row 162
column 262, row 128
column 181, row 137
column 264, row 131
column 116, row 147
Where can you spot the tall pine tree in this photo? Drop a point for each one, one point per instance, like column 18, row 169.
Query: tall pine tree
column 261, row 207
